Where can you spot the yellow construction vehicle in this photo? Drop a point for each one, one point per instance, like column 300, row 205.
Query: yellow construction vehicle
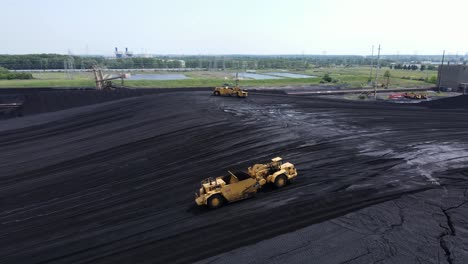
column 226, row 90
column 415, row 96
column 275, row 172
column 214, row 192
column 229, row 90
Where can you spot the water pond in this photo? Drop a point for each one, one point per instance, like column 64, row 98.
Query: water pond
column 159, row 77
column 257, row 76
column 290, row 75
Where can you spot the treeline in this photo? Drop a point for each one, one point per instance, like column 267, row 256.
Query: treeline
column 7, row 75
column 418, row 59
column 57, row 62
column 32, row 62
column 275, row 62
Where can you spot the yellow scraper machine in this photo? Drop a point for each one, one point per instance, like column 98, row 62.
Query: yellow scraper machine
column 229, row 90
column 214, row 192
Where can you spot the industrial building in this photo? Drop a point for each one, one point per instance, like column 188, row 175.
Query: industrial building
column 453, row 77
column 121, row 54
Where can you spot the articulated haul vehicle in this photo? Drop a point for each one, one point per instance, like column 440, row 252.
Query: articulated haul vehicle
column 226, row 90
column 229, row 90
column 214, row 192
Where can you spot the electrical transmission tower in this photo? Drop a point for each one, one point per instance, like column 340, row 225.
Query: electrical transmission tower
column 244, row 65
column 215, row 64
column 377, row 74
column 372, row 65
column 69, row 66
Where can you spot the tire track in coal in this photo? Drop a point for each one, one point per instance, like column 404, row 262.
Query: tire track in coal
column 58, row 127
column 245, row 235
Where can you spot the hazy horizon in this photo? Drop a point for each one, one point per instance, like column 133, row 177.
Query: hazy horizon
column 252, row 55
column 255, row 27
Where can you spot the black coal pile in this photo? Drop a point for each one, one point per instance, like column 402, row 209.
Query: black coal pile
column 41, row 100
column 460, row 102
column 114, row 182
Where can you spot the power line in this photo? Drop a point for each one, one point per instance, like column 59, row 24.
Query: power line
column 372, row 64
column 377, row 74
column 440, row 72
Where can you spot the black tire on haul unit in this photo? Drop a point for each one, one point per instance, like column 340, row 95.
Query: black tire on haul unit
column 215, row 201
column 281, row 181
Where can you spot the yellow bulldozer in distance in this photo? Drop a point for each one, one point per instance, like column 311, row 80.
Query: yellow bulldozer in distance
column 226, row 90
column 229, row 90
column 214, row 192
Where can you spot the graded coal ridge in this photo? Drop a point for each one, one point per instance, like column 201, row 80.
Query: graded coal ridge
column 41, row 100
column 114, row 181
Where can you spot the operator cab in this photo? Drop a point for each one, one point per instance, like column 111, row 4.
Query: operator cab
column 275, row 164
column 210, row 184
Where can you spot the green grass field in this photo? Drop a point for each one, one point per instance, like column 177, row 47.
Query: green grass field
column 350, row 77
column 356, row 77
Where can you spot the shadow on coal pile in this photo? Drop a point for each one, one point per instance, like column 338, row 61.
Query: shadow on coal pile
column 460, row 101
column 115, row 183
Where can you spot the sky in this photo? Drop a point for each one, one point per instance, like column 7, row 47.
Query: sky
column 211, row 27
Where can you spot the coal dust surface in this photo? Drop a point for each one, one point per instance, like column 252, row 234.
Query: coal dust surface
column 114, row 181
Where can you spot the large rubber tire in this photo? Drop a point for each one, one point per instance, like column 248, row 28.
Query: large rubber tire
column 281, row 181
column 216, row 93
column 215, row 201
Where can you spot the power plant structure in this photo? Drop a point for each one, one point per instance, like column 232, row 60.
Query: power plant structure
column 121, row 54
column 453, row 77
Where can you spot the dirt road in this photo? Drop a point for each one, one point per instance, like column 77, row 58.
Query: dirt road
column 114, row 182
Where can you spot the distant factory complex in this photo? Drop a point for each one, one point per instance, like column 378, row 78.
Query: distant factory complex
column 121, row 54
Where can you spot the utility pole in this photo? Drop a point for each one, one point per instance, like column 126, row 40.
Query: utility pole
column 440, row 73
column 65, row 67
column 71, row 67
column 372, row 64
column 377, row 74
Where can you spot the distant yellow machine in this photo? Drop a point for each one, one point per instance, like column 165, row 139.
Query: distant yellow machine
column 415, row 96
column 214, row 192
column 228, row 90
